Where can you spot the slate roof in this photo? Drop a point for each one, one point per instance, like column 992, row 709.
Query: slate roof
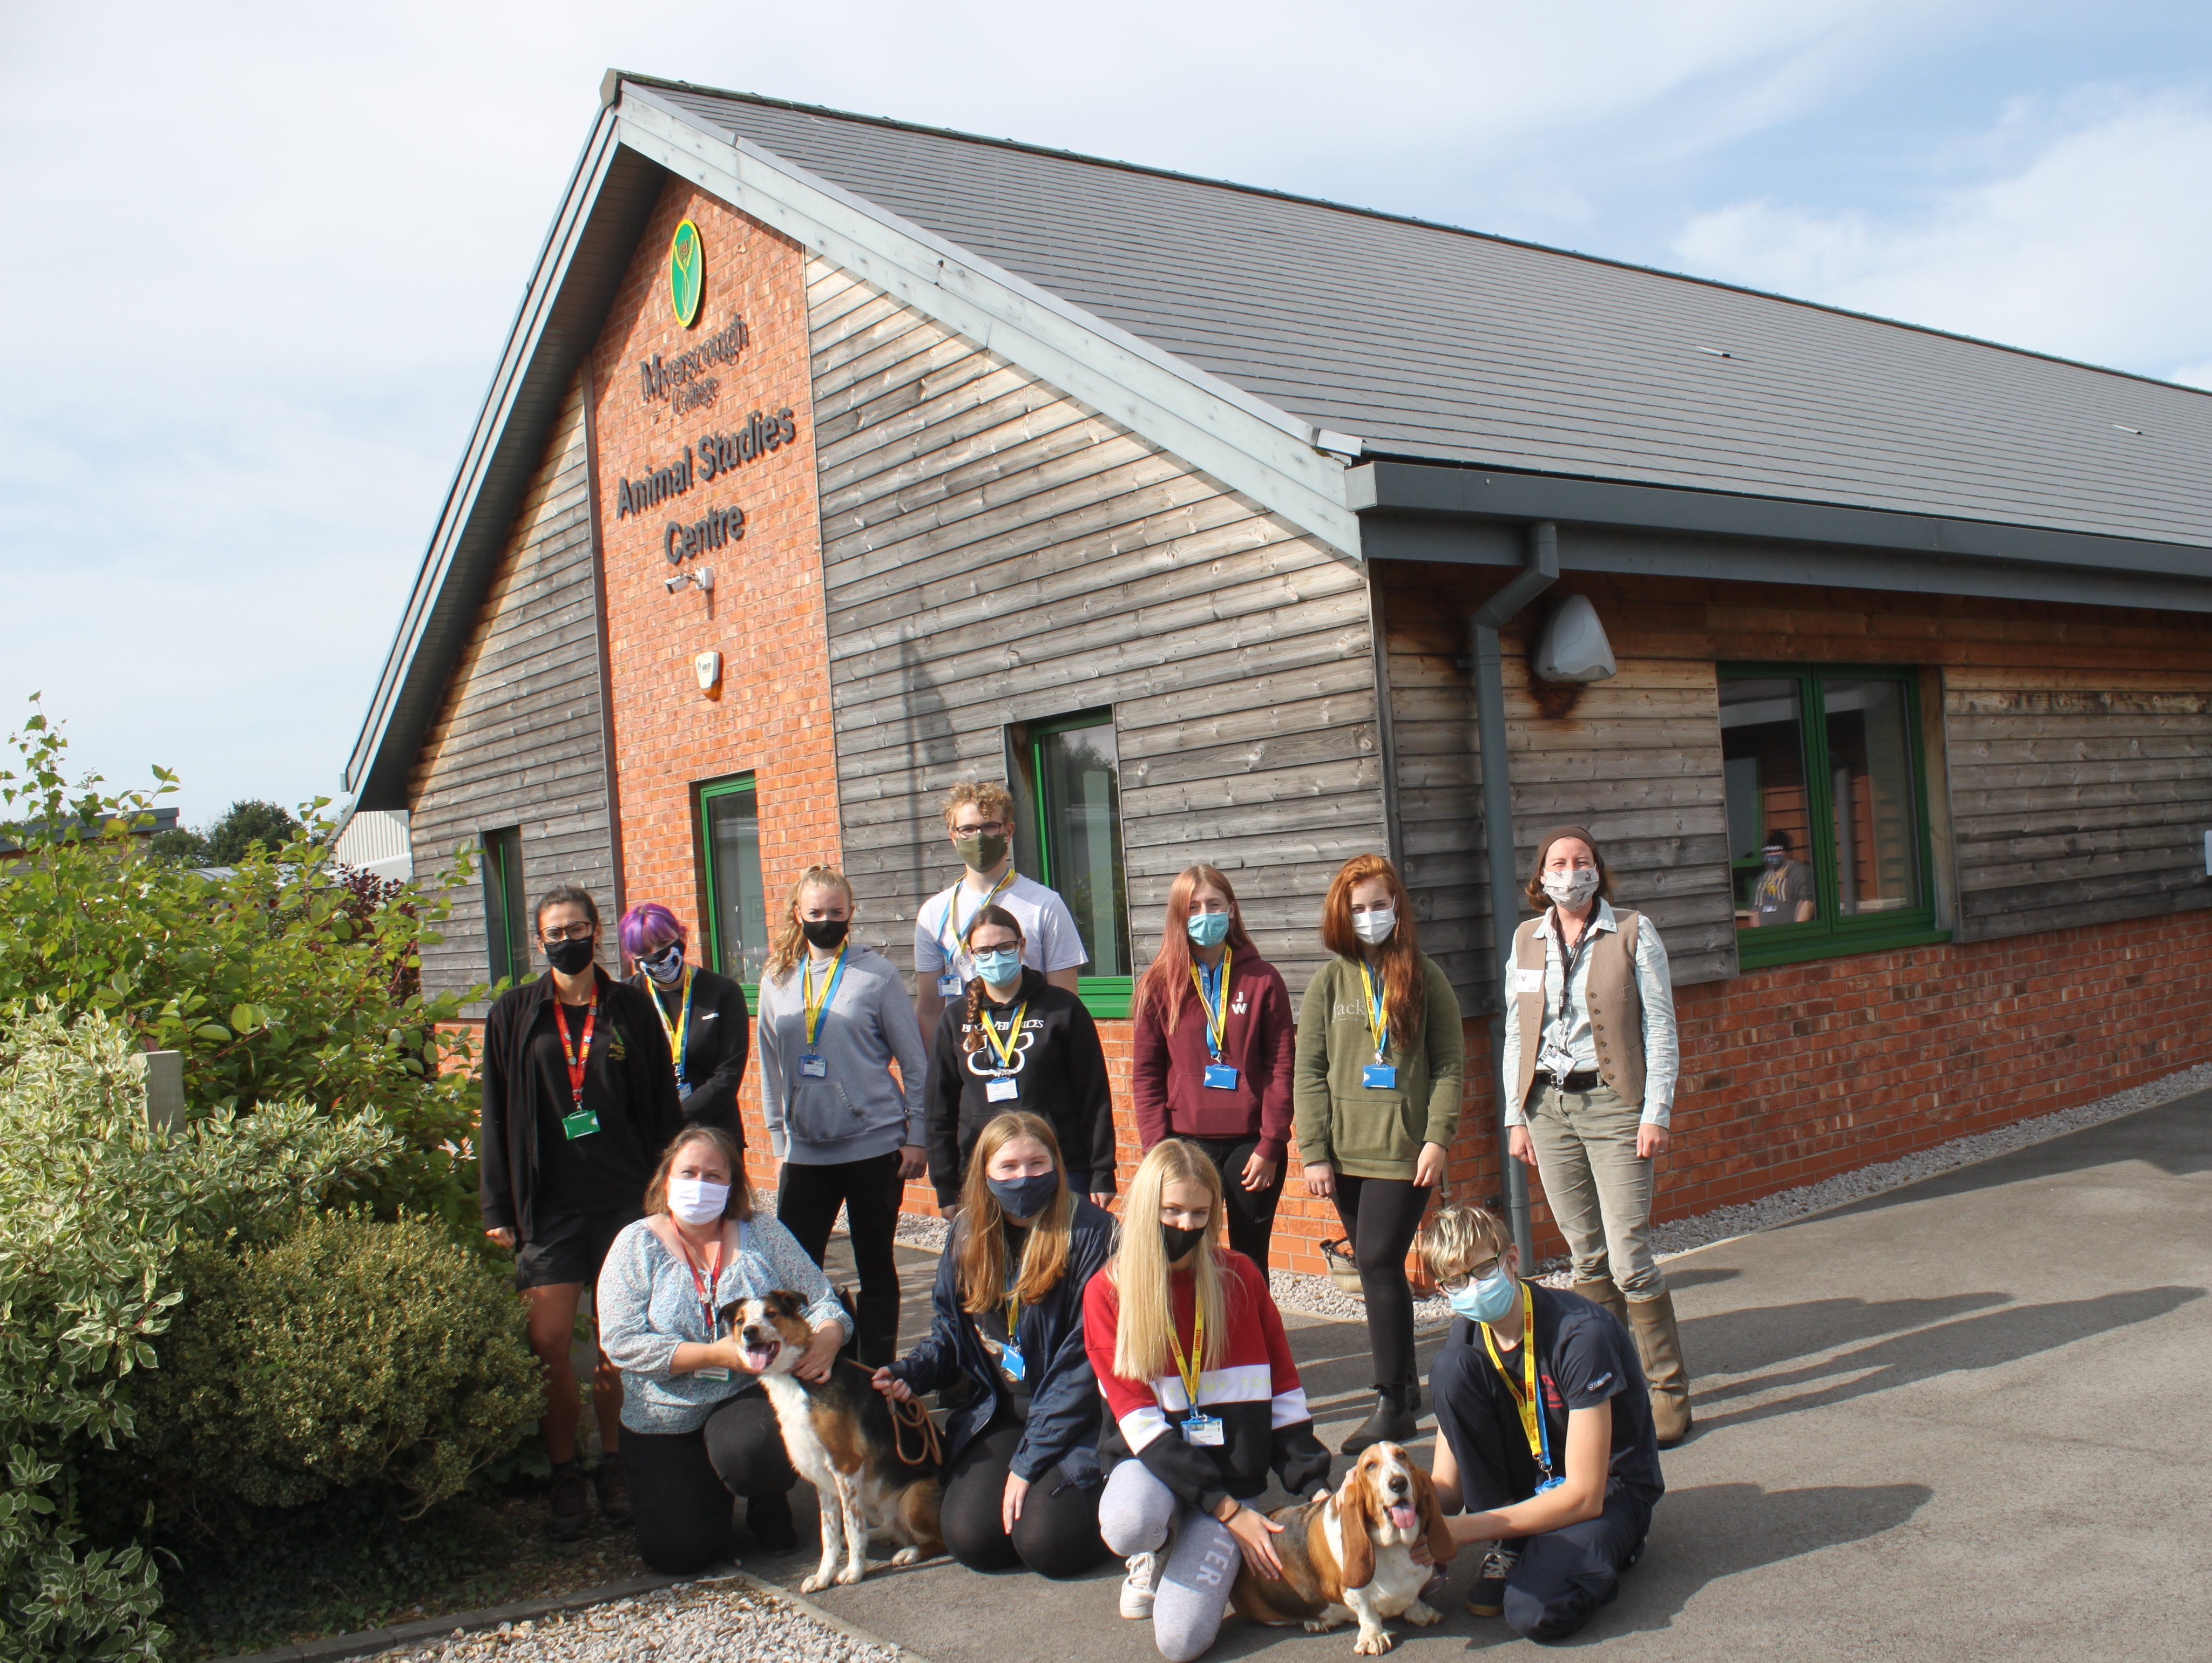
column 1437, row 343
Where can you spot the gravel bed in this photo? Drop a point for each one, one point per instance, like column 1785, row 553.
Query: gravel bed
column 689, row 1623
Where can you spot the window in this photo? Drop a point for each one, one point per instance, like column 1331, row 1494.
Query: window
column 737, row 905
column 1827, row 816
column 1071, row 841
column 507, row 906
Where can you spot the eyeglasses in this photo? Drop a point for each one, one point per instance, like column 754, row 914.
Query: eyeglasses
column 1482, row 1272
column 988, row 828
column 570, row 932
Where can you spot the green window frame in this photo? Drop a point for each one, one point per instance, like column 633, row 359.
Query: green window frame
column 1069, row 839
column 1888, row 837
column 727, row 829
column 506, row 908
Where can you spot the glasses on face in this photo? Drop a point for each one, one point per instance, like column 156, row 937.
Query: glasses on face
column 988, row 828
column 567, row 933
column 1482, row 1272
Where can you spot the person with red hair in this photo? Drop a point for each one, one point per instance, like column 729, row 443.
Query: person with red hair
column 1214, row 1041
column 1379, row 1065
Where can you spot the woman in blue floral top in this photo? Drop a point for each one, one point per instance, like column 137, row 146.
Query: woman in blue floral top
column 696, row 1427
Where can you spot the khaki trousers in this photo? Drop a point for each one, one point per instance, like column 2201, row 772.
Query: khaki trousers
column 1600, row 1194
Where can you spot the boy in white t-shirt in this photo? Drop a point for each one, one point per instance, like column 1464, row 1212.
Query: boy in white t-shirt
column 979, row 818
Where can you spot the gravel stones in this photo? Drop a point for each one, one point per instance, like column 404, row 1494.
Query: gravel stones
column 689, row 1623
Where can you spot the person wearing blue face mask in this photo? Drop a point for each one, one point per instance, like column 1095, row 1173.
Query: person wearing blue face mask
column 1015, row 1042
column 1549, row 1456
column 1022, row 1479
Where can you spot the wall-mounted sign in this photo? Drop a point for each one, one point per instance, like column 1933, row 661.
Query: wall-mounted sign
column 687, row 273
column 634, row 496
column 721, row 528
column 719, row 452
column 683, row 380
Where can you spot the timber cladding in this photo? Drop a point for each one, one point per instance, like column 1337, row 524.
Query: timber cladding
column 518, row 740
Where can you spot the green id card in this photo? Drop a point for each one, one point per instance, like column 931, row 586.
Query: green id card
column 582, row 1124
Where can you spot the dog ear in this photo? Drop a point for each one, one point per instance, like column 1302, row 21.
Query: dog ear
column 783, row 1303
column 1355, row 1519
column 1442, row 1548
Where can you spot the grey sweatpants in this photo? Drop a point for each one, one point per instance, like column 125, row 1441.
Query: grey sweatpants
column 1599, row 1192
column 1138, row 1514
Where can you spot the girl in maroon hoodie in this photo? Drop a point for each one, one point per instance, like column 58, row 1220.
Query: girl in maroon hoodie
column 1214, row 1043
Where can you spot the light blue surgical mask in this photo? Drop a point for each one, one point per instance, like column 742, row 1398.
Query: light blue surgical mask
column 999, row 966
column 1208, row 929
column 1485, row 1301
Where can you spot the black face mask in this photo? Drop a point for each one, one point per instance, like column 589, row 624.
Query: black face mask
column 825, row 931
column 1025, row 1197
column 569, row 957
column 1180, row 1241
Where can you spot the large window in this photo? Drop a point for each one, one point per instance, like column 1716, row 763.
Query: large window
column 1827, row 811
column 737, row 905
column 507, row 908
column 1070, row 839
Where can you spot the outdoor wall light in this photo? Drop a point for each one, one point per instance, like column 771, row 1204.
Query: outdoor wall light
column 1572, row 646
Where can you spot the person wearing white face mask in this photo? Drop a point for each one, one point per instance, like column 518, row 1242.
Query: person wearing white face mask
column 1591, row 1056
column 696, row 1429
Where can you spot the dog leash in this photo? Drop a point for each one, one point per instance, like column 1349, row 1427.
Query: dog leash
column 909, row 1418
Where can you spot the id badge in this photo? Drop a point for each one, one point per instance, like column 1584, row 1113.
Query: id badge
column 582, row 1124
column 710, row 1374
column 1004, row 1090
column 947, row 986
column 1202, row 1429
column 1380, row 1076
column 1011, row 1360
column 1221, row 1077
column 814, row 1068
column 1549, row 1484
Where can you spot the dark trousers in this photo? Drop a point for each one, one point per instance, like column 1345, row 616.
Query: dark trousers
column 806, row 1202
column 1251, row 1212
column 681, row 1483
column 1380, row 1215
column 1563, row 1575
column 1057, row 1534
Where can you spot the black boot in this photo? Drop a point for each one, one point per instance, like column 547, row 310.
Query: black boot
column 1391, row 1423
column 769, row 1519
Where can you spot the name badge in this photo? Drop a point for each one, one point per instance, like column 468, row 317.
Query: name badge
column 1011, row 1360
column 582, row 1124
column 711, row 1374
column 1221, row 1077
column 1004, row 1090
column 1380, row 1076
column 1549, row 1484
column 814, row 1068
column 1527, row 982
column 947, row 986
column 1202, row 1429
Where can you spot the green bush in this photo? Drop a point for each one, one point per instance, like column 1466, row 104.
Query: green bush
column 353, row 1354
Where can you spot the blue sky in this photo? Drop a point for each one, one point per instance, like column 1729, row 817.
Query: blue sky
column 260, row 259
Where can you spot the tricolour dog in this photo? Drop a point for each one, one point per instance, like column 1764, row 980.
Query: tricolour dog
column 1349, row 1554
column 841, row 1437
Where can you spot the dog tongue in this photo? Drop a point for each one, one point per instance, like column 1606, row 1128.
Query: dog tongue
column 1403, row 1514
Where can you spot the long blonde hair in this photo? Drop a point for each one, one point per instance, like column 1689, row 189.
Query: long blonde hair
column 790, row 940
column 981, row 1253
column 1140, row 1270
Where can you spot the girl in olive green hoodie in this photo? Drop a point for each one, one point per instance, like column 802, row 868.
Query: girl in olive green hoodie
column 1380, row 1061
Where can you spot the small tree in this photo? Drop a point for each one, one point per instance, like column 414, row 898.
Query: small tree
column 248, row 824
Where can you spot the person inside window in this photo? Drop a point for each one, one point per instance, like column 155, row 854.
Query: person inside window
column 1784, row 893
column 1548, row 1455
column 702, row 1014
column 1022, row 1479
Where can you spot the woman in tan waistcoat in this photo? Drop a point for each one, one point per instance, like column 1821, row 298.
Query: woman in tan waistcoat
column 1591, row 1052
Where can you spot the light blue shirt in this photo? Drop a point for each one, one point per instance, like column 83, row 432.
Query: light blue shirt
column 1654, row 987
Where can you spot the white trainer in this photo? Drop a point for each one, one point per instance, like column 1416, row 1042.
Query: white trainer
column 1137, row 1590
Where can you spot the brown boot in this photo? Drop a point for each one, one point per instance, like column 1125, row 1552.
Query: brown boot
column 1660, row 1346
column 1606, row 1292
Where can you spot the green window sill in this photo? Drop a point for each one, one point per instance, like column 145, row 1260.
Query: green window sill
column 1787, row 946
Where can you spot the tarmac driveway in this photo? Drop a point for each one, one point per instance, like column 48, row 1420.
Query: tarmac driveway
column 1966, row 1419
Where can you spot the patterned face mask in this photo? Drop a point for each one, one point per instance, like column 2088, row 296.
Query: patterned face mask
column 665, row 966
column 1571, row 889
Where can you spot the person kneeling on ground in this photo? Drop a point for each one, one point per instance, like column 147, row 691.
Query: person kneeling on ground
column 1547, row 1436
column 1190, row 1350
column 1022, row 1479
column 697, row 1428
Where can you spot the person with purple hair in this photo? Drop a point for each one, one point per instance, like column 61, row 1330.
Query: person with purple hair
column 703, row 1014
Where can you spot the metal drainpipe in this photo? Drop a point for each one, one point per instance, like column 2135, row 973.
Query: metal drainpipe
column 1543, row 566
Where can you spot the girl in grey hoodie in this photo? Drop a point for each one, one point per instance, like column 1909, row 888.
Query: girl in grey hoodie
column 834, row 1019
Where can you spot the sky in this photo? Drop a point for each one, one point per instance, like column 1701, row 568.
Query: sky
column 258, row 260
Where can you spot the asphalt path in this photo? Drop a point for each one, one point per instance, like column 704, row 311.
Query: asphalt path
column 1965, row 1419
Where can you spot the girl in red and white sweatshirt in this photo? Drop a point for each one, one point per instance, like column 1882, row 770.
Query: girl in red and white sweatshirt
column 1189, row 1350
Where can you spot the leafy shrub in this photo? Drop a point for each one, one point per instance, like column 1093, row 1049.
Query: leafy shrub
column 352, row 1354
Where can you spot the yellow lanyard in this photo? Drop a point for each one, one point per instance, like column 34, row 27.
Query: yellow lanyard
column 953, row 933
column 1006, row 1053
column 1189, row 1371
column 683, row 1024
column 1378, row 1021
column 1217, row 1016
column 1532, row 1406
column 815, row 1007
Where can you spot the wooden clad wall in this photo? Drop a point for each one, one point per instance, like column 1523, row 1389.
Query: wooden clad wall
column 2077, row 796
column 517, row 742
column 994, row 553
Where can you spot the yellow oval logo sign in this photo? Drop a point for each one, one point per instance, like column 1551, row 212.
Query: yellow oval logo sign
column 687, row 273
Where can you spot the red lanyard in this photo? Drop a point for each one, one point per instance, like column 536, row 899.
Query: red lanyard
column 579, row 1057
column 704, row 1285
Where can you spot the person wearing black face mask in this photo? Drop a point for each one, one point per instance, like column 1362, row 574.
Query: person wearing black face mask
column 709, row 1030
column 579, row 1101
column 834, row 1017
column 1022, row 1480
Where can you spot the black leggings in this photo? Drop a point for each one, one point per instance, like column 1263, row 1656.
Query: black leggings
column 1251, row 1212
column 680, row 1482
column 1380, row 1215
column 1057, row 1534
column 806, row 1203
